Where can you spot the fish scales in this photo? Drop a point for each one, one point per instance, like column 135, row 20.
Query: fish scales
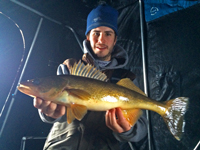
column 112, row 93
column 80, row 92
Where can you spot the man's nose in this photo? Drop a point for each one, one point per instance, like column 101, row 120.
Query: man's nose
column 101, row 38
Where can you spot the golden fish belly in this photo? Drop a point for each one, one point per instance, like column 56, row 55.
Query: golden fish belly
column 104, row 96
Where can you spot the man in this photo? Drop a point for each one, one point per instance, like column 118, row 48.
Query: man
column 97, row 130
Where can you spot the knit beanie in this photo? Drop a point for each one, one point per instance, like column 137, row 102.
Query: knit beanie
column 102, row 15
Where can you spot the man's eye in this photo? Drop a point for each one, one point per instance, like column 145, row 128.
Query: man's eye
column 108, row 34
column 97, row 34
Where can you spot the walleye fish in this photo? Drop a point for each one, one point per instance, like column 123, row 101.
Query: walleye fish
column 86, row 89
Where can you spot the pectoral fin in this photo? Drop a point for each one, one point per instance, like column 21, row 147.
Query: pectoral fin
column 127, row 83
column 132, row 115
column 78, row 111
column 70, row 115
column 80, row 94
column 75, row 111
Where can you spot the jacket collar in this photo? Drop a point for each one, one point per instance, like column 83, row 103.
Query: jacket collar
column 119, row 57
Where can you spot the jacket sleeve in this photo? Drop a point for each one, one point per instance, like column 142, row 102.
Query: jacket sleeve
column 136, row 133
column 62, row 69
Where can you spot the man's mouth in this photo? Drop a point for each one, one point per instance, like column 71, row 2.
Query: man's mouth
column 101, row 47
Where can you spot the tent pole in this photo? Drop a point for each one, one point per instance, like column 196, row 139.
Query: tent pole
column 48, row 18
column 22, row 73
column 144, row 68
column 197, row 145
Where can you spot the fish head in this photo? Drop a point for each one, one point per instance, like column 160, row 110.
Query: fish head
column 45, row 88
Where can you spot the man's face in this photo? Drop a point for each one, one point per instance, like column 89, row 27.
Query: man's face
column 102, row 40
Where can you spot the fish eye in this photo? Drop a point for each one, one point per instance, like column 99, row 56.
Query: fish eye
column 36, row 81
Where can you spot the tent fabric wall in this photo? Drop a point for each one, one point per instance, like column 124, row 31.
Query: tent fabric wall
column 173, row 70
column 158, row 8
column 172, row 50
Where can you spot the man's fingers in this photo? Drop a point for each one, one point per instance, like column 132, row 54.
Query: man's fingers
column 60, row 111
column 123, row 123
column 37, row 102
column 116, row 121
column 119, row 114
column 111, row 121
column 40, row 103
column 49, row 108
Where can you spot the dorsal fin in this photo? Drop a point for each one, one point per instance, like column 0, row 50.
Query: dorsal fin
column 89, row 71
column 126, row 82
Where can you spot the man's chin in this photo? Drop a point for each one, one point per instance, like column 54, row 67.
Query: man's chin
column 103, row 57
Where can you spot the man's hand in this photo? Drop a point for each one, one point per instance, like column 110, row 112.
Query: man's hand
column 116, row 121
column 49, row 108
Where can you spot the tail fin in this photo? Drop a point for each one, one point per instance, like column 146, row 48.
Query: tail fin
column 174, row 117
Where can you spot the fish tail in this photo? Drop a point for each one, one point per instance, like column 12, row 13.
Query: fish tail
column 174, row 116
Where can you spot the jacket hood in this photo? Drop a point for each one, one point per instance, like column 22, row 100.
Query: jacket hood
column 119, row 57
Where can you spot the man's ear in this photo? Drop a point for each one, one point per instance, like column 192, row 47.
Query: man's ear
column 87, row 37
column 115, row 40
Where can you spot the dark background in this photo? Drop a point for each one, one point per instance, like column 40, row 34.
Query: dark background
column 172, row 44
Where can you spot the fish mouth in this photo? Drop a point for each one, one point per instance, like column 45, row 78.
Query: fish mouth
column 25, row 89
